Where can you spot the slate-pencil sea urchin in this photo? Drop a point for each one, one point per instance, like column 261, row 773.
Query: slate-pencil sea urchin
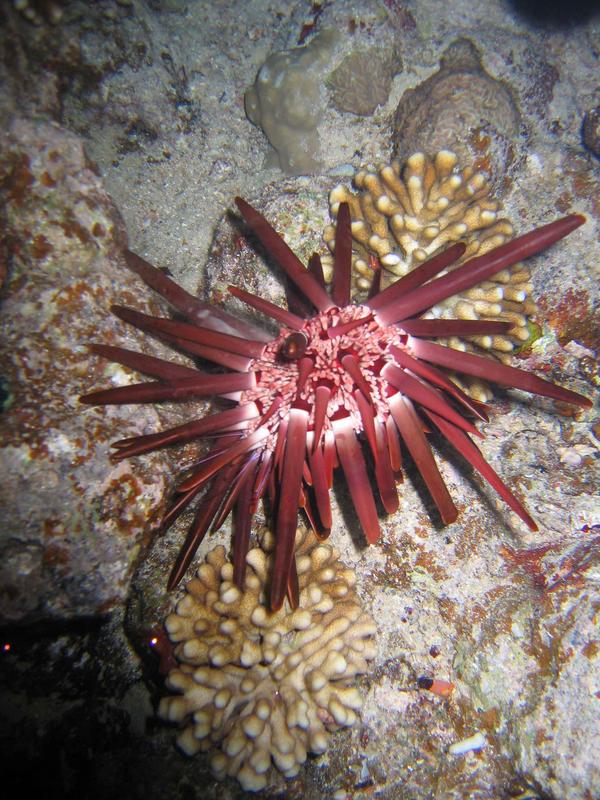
column 337, row 380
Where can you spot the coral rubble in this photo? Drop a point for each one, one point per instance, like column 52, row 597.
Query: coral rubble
column 260, row 687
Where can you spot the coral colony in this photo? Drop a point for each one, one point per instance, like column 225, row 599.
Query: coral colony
column 340, row 385
column 259, row 687
column 403, row 213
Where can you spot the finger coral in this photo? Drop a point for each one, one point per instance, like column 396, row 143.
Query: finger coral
column 262, row 688
column 404, row 213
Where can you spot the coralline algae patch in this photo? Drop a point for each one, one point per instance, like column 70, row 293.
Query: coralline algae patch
column 70, row 525
column 573, row 317
column 534, row 660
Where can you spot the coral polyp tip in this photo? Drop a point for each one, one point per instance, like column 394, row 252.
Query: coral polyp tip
column 339, row 381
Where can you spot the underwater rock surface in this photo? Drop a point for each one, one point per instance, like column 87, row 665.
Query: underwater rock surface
column 154, row 93
column 459, row 101
column 71, row 525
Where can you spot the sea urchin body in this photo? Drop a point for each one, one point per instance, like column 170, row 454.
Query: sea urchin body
column 336, row 375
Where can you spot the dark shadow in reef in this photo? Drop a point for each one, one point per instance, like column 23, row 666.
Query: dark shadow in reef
column 28, row 634
column 555, row 13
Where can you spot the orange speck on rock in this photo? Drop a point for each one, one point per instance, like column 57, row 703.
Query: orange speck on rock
column 53, row 527
column 481, row 143
column 442, row 688
column 55, row 556
column 427, row 561
column 529, row 560
column 74, row 229
column 436, row 686
column 564, row 203
column 490, row 719
column 18, row 180
column 119, row 504
column 40, row 247
column 447, row 609
column 98, row 230
column 70, row 296
column 540, row 737
column 47, row 180
column 573, row 318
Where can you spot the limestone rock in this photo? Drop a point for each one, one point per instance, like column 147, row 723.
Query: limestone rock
column 71, row 524
column 460, row 107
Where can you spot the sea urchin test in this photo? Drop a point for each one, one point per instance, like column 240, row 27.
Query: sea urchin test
column 335, row 372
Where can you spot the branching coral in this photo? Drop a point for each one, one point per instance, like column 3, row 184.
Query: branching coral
column 266, row 687
column 403, row 214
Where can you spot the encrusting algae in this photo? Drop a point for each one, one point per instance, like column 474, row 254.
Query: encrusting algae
column 262, row 688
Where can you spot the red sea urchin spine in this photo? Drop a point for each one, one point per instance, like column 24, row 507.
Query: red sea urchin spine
column 310, row 288
column 288, row 501
column 232, row 419
column 342, row 263
column 492, row 371
column 190, row 333
column 417, row 277
column 191, row 307
column 200, row 385
column 411, row 431
column 478, row 269
column 471, row 453
column 334, row 371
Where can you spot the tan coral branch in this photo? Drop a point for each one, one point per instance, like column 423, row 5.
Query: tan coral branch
column 404, row 213
column 262, row 688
